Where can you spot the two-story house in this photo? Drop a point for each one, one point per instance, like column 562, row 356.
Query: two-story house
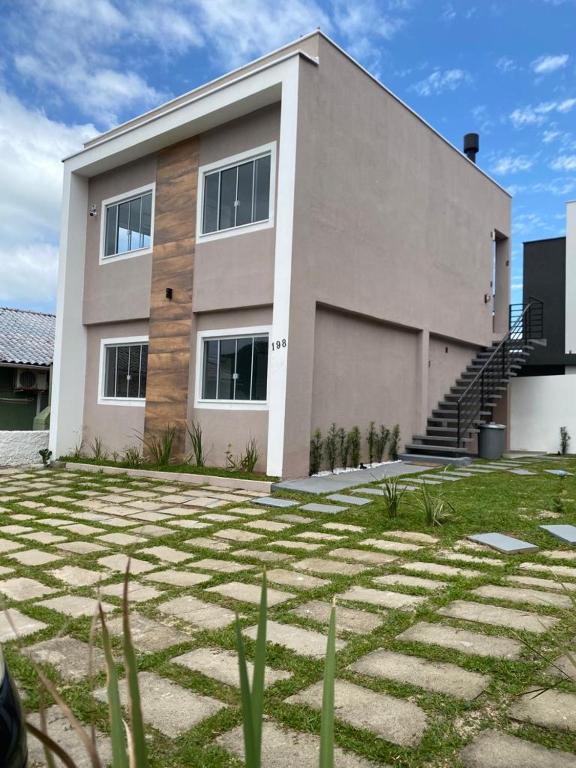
column 285, row 247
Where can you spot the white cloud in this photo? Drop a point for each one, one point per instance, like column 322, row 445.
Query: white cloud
column 564, row 163
column 440, row 81
column 544, row 65
column 508, row 164
column 506, row 64
column 31, row 149
column 538, row 114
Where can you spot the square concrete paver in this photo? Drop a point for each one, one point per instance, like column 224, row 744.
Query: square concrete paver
column 470, row 643
column 223, row 666
column 435, row 676
column 14, row 625
column 305, row 642
column 347, row 619
column 221, row 566
column 321, row 565
column 304, row 545
column 9, row 546
column 166, row 706
column 494, row 749
column 236, row 534
column 272, row 501
column 121, row 539
column 498, row 617
column 148, row 635
column 44, row 537
column 21, row 588
column 75, row 576
column 73, row 659
column 400, row 579
column 328, row 509
column 344, row 527
column 74, row 605
column 284, row 748
column 264, row 555
column 82, row 547
column 177, row 578
column 520, row 595
column 271, row 526
column 549, row 709
column 119, row 564
column 205, row 542
column 167, row 554
column 362, row 556
column 391, row 546
column 395, row 720
column 198, row 613
column 59, row 728
column 293, row 579
column 382, row 598
column 437, row 569
column 342, row 498
column 34, row 557
column 137, row 593
column 249, row 593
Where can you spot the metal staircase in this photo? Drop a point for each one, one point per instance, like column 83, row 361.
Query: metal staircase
column 453, row 425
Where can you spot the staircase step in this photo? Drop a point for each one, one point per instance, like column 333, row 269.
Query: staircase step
column 438, row 439
column 438, row 450
column 446, row 431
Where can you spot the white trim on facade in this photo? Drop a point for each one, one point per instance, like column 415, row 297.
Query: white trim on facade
column 278, row 364
column 228, row 405
column 129, row 195
column 570, row 284
column 117, row 341
column 221, row 165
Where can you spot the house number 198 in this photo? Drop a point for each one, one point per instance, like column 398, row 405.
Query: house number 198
column 279, row 344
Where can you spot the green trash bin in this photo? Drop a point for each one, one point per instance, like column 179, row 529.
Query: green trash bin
column 491, row 441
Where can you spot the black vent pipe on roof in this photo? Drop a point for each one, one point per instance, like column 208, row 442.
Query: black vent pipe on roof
column 471, row 145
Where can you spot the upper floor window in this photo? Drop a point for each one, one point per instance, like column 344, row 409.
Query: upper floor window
column 128, row 224
column 238, row 193
column 124, row 368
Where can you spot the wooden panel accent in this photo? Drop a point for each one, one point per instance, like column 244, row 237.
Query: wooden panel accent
column 172, row 267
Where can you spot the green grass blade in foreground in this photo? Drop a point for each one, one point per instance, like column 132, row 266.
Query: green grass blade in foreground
column 119, row 755
column 258, row 681
column 138, row 753
column 251, row 757
column 327, row 723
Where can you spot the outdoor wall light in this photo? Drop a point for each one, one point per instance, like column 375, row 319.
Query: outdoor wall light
column 169, row 293
column 93, row 211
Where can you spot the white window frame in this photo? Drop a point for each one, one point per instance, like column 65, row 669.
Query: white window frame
column 229, row 405
column 103, row 259
column 115, row 342
column 222, row 165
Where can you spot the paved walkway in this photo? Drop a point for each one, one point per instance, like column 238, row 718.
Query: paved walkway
column 336, row 483
column 197, row 553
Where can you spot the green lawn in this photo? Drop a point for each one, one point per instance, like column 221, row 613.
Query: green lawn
column 494, row 502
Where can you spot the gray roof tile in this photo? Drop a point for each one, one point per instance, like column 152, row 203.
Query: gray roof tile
column 26, row 338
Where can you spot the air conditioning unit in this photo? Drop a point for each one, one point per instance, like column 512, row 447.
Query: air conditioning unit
column 31, row 381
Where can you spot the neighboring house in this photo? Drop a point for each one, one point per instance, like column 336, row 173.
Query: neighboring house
column 543, row 397
column 285, row 247
column 26, row 352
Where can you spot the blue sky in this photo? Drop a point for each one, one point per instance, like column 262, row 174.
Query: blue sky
column 71, row 68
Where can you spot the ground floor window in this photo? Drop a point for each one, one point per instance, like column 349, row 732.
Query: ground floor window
column 235, row 368
column 125, row 368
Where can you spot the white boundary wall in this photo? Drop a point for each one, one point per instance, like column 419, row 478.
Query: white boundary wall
column 539, row 406
column 20, row 447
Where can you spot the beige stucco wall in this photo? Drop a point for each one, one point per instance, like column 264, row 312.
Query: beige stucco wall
column 447, row 360
column 120, row 289
column 363, row 371
column 117, row 425
column 390, row 222
column 229, row 427
column 236, row 271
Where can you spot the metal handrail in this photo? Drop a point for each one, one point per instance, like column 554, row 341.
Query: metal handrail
column 501, row 355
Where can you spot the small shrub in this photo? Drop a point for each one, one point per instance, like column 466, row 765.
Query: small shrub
column 98, row 451
column 394, row 442
column 436, row 509
column 392, row 497
column 331, row 447
column 371, row 439
column 196, row 441
column 342, row 448
column 244, row 462
column 559, row 501
column 316, row 452
column 158, row 448
column 115, row 457
column 132, row 457
column 381, row 442
column 354, row 446
column 564, row 441
column 78, row 448
column 45, row 455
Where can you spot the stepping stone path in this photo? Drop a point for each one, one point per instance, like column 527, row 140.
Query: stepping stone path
column 493, row 749
column 75, row 605
column 395, row 720
column 329, row 509
column 272, row 501
column 249, row 593
column 319, row 565
column 177, row 578
column 534, row 581
column 292, row 579
column 166, row 706
column 223, row 666
column 60, row 729
column 148, row 636
column 305, row 642
column 283, row 748
column 19, row 589
column 198, row 613
column 399, row 579
column 14, row 624
column 518, row 595
column 498, row 617
column 355, row 501
column 362, row 556
column 392, row 546
column 549, row 709
column 507, row 544
column 566, row 533
column 437, row 569
column 347, row 619
column 434, row 676
column 470, row 643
